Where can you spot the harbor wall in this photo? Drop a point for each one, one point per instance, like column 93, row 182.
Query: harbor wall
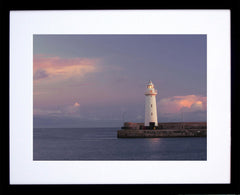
column 161, row 133
column 178, row 129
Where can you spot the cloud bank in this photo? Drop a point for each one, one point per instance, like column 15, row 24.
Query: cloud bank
column 188, row 103
column 62, row 68
column 66, row 110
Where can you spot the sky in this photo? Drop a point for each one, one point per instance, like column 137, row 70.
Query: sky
column 99, row 80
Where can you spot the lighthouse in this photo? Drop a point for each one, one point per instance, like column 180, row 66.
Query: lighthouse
column 150, row 105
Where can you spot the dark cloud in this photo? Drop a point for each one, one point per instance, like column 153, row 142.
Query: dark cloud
column 40, row 74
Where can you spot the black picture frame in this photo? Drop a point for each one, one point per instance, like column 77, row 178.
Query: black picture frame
column 232, row 188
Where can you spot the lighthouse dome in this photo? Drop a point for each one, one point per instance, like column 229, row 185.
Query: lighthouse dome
column 150, row 84
column 150, row 90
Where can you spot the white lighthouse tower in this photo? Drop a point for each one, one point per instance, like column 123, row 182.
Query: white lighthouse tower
column 150, row 105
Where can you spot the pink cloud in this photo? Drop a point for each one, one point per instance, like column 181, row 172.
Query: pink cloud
column 188, row 103
column 70, row 109
column 60, row 68
column 76, row 104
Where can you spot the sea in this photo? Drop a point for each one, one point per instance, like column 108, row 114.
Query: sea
column 103, row 144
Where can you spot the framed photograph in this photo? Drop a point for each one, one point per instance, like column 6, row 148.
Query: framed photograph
column 120, row 97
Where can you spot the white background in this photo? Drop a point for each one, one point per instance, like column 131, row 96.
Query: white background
column 214, row 23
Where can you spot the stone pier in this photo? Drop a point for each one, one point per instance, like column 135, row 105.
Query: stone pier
column 185, row 129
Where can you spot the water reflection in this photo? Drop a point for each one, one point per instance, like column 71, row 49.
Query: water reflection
column 154, row 140
column 154, row 143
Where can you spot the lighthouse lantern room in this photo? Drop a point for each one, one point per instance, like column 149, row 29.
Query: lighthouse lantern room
column 150, row 105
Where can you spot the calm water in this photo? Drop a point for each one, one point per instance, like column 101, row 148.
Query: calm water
column 103, row 144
